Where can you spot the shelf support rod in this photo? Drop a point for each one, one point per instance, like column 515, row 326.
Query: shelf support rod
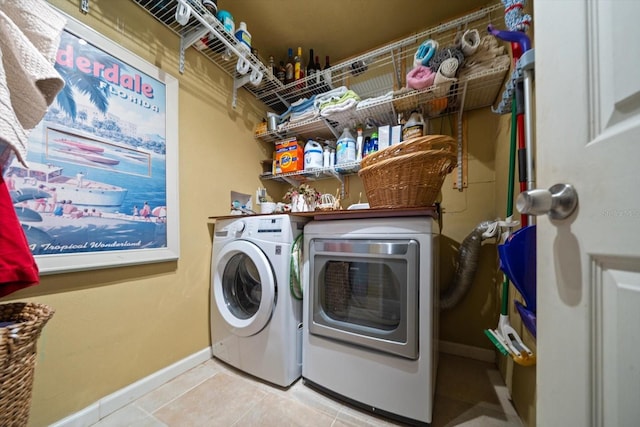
column 394, row 61
column 187, row 40
column 284, row 101
column 459, row 181
column 335, row 133
column 238, row 83
column 340, row 178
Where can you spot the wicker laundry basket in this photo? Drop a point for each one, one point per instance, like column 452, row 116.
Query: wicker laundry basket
column 18, row 357
column 409, row 174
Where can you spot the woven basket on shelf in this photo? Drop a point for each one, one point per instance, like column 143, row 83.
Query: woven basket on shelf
column 18, row 357
column 409, row 174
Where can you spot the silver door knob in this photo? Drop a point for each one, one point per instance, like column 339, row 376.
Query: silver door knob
column 558, row 202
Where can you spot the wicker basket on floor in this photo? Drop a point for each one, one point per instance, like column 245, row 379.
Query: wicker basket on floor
column 409, row 174
column 24, row 323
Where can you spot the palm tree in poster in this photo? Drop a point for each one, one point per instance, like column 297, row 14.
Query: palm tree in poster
column 96, row 87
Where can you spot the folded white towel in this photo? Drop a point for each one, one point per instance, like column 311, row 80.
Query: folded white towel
column 308, row 114
column 370, row 101
column 347, row 104
column 329, row 96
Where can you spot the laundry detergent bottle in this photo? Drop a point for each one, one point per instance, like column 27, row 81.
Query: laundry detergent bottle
column 313, row 155
column 414, row 128
column 345, row 148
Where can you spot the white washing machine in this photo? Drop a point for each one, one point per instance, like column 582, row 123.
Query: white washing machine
column 256, row 323
column 371, row 315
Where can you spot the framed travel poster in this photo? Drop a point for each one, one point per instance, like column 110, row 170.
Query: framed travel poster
column 101, row 189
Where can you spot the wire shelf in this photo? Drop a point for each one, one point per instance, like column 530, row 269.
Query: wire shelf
column 378, row 77
column 370, row 75
column 206, row 33
column 314, row 174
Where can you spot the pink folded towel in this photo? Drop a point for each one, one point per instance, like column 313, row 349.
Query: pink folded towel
column 420, row 77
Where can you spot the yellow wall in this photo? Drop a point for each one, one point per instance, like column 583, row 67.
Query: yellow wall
column 463, row 211
column 115, row 326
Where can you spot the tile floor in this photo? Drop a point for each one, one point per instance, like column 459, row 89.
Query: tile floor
column 468, row 393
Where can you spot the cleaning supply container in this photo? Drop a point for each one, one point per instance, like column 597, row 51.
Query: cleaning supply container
column 326, row 156
column 313, row 157
column 414, row 128
column 244, row 37
column 227, row 21
column 345, row 148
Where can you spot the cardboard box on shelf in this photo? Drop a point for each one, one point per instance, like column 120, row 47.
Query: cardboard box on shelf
column 384, row 137
column 396, row 135
column 290, row 155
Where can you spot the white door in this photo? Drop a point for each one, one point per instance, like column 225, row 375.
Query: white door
column 587, row 85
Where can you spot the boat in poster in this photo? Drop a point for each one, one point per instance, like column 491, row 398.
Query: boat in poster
column 50, row 178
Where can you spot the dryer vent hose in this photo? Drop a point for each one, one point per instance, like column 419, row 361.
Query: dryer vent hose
column 468, row 256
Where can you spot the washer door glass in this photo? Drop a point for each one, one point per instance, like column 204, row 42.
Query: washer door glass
column 244, row 287
column 241, row 286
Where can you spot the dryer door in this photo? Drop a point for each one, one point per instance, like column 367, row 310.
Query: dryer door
column 244, row 287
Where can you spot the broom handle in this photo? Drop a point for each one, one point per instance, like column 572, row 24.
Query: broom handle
column 504, row 307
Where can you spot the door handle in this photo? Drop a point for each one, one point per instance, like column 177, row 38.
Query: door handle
column 559, row 201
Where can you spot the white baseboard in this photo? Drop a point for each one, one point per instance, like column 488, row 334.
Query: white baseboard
column 111, row 403
column 468, row 351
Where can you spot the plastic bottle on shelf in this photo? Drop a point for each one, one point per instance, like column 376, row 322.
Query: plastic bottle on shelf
column 414, row 127
column 326, row 159
column 227, row 21
column 367, row 146
column 281, row 72
column 374, row 142
column 298, row 68
column 311, row 65
column 244, row 37
column 345, row 148
column 318, row 68
column 359, row 145
column 272, row 66
column 289, row 67
column 326, row 71
column 313, row 155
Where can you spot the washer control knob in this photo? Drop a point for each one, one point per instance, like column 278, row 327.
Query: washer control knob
column 239, row 227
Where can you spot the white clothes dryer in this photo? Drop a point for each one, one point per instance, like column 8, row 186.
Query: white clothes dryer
column 256, row 322
column 370, row 313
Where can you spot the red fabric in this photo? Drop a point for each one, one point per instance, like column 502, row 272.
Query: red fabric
column 18, row 268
